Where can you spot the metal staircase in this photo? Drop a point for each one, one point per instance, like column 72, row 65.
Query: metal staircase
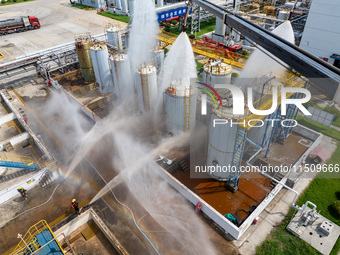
column 237, row 158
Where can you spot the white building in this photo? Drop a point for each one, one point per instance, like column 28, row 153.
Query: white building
column 321, row 35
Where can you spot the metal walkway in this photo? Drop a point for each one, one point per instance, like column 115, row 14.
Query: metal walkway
column 16, row 161
column 168, row 39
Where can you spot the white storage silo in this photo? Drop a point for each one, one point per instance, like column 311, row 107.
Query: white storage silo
column 180, row 107
column 216, row 73
column 100, row 60
column 222, row 140
column 120, row 66
column 283, row 15
column 146, row 85
column 159, row 58
column 125, row 8
column 131, row 7
column 114, row 37
column 220, row 27
column 261, row 134
column 118, row 7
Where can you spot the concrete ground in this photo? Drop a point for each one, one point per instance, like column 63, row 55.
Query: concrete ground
column 276, row 211
column 59, row 24
column 83, row 184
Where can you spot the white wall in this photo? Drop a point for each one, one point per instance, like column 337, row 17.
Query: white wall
column 321, row 36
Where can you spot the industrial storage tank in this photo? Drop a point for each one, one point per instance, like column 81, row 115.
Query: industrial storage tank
column 220, row 27
column 114, row 37
column 262, row 134
column 83, row 46
column 124, row 7
column 180, row 107
column 216, row 73
column 100, row 61
column 146, row 85
column 159, row 59
column 118, row 7
column 283, row 15
column 222, row 139
column 120, row 66
column 131, row 7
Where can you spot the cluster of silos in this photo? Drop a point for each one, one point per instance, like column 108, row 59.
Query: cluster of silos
column 222, row 139
column 146, row 86
column 100, row 60
column 83, row 45
column 180, row 107
column 216, row 73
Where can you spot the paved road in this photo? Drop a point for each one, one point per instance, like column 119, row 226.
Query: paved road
column 59, row 24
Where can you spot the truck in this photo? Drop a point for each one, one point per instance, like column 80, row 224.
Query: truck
column 19, row 25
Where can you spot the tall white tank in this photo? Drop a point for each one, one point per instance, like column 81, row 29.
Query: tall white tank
column 100, row 60
column 220, row 27
column 216, row 73
column 283, row 15
column 114, row 37
column 120, row 66
column 159, row 59
column 180, row 107
column 146, row 85
column 131, row 7
column 260, row 135
column 118, row 7
column 222, row 139
column 125, row 8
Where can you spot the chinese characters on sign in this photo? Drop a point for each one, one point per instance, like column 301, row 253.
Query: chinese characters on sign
column 172, row 13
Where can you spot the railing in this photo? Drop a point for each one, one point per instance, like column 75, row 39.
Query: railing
column 199, row 47
column 265, row 102
column 29, row 238
column 12, row 160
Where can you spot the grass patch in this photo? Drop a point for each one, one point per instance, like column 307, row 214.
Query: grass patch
column 13, row 2
column 336, row 122
column 319, row 128
column 323, row 192
column 335, row 111
column 125, row 19
column 206, row 26
column 83, row 7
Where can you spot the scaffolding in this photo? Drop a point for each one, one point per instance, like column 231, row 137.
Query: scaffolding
column 145, row 88
column 187, row 111
column 195, row 19
column 237, row 157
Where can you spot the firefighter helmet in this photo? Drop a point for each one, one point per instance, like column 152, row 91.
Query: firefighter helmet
column 20, row 188
column 73, row 200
